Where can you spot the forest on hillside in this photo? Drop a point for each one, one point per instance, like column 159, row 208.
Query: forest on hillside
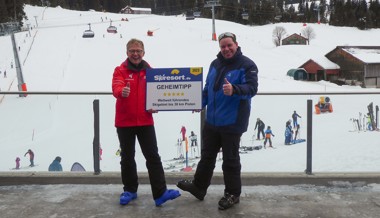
column 363, row 14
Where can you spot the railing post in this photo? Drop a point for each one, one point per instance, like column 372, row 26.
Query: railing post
column 96, row 142
column 309, row 139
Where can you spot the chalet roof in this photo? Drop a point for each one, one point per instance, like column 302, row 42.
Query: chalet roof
column 323, row 62
column 366, row 54
column 141, row 9
column 295, row 34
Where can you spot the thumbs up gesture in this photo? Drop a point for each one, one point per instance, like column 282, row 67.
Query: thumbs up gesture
column 126, row 90
column 228, row 89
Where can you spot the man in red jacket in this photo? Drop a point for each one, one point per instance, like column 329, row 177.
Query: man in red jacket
column 133, row 120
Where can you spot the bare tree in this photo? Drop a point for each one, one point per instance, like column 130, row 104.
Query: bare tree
column 277, row 35
column 308, row 33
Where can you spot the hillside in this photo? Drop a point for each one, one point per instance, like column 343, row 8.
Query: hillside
column 56, row 58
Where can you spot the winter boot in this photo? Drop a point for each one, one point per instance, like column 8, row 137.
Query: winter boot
column 169, row 194
column 126, row 197
column 189, row 186
column 228, row 201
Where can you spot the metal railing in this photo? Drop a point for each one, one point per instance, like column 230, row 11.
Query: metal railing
column 309, row 112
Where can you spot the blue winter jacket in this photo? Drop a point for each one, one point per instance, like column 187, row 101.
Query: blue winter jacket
column 230, row 113
column 55, row 166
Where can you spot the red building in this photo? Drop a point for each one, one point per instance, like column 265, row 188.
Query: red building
column 321, row 69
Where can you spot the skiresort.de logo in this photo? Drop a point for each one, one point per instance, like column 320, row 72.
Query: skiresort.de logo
column 176, row 74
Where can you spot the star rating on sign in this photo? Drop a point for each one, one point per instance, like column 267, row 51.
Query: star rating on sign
column 174, row 94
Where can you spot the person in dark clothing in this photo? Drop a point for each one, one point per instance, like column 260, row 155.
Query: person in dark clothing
column 230, row 85
column 133, row 121
column 288, row 133
column 297, row 133
column 260, row 126
column 294, row 117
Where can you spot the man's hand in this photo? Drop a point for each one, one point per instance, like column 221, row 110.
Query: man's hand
column 152, row 111
column 126, row 90
column 228, row 89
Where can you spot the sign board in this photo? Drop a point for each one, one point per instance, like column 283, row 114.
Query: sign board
column 174, row 89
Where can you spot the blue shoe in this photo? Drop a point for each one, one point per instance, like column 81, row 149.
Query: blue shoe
column 169, row 194
column 126, row 197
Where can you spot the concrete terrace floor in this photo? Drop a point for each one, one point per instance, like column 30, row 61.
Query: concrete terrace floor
column 66, row 194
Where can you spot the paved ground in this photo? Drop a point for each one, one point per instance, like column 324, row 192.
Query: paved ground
column 340, row 199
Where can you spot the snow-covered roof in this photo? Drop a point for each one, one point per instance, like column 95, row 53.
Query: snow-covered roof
column 325, row 63
column 141, row 9
column 367, row 55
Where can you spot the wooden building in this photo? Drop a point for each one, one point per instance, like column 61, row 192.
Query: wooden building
column 294, row 39
column 358, row 63
column 134, row 10
column 321, row 69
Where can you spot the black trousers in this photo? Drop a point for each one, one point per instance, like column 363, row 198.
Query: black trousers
column 146, row 136
column 213, row 141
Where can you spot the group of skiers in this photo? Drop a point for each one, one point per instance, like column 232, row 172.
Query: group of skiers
column 54, row 166
column 291, row 132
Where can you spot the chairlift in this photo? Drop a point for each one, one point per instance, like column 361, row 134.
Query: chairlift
column 245, row 15
column 197, row 13
column 88, row 33
column 278, row 17
column 190, row 15
column 111, row 29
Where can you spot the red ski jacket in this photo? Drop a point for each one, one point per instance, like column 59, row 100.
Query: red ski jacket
column 130, row 111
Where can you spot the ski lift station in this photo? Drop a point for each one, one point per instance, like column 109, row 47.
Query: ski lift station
column 88, row 33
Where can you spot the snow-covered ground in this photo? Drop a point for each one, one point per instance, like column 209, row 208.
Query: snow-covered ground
column 55, row 57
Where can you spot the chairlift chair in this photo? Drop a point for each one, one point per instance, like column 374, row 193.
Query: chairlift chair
column 278, row 17
column 245, row 15
column 197, row 13
column 88, row 33
column 111, row 29
column 190, row 15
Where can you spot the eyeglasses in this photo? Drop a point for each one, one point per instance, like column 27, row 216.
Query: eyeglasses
column 136, row 51
column 227, row 34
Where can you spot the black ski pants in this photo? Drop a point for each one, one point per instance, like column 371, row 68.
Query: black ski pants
column 213, row 141
column 146, row 136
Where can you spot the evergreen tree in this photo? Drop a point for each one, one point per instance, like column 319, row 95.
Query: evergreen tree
column 3, row 12
column 322, row 11
column 361, row 14
column 374, row 14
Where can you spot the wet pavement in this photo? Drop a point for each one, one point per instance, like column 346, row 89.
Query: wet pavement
column 346, row 199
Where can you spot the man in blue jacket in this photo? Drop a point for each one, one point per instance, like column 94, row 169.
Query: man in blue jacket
column 230, row 84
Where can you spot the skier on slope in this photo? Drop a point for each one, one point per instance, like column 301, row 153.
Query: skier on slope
column 193, row 139
column 288, row 133
column 260, row 125
column 31, row 157
column 17, row 163
column 183, row 131
column 268, row 135
column 294, row 117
